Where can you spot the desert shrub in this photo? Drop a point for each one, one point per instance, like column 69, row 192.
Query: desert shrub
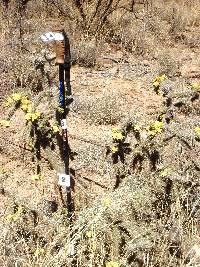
column 168, row 64
column 135, row 41
column 84, row 54
column 134, row 34
column 177, row 26
column 179, row 16
column 191, row 40
column 103, row 108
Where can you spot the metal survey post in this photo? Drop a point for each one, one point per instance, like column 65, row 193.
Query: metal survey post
column 63, row 60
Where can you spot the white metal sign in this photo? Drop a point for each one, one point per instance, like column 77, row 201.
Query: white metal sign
column 52, row 36
column 64, row 179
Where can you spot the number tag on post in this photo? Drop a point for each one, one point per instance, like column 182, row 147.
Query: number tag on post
column 64, row 124
column 64, row 179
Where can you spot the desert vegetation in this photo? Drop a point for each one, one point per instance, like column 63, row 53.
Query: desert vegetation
column 133, row 130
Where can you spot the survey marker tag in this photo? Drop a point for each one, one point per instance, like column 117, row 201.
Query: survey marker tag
column 64, row 124
column 64, row 179
column 49, row 37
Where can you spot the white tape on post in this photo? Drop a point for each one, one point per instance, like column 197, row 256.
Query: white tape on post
column 64, row 124
column 52, row 36
column 71, row 249
column 58, row 36
column 64, row 179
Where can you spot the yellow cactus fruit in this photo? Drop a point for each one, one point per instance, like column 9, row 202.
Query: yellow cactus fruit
column 16, row 97
column 116, row 134
column 5, row 123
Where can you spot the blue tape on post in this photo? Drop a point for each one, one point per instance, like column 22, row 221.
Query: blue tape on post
column 61, row 96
